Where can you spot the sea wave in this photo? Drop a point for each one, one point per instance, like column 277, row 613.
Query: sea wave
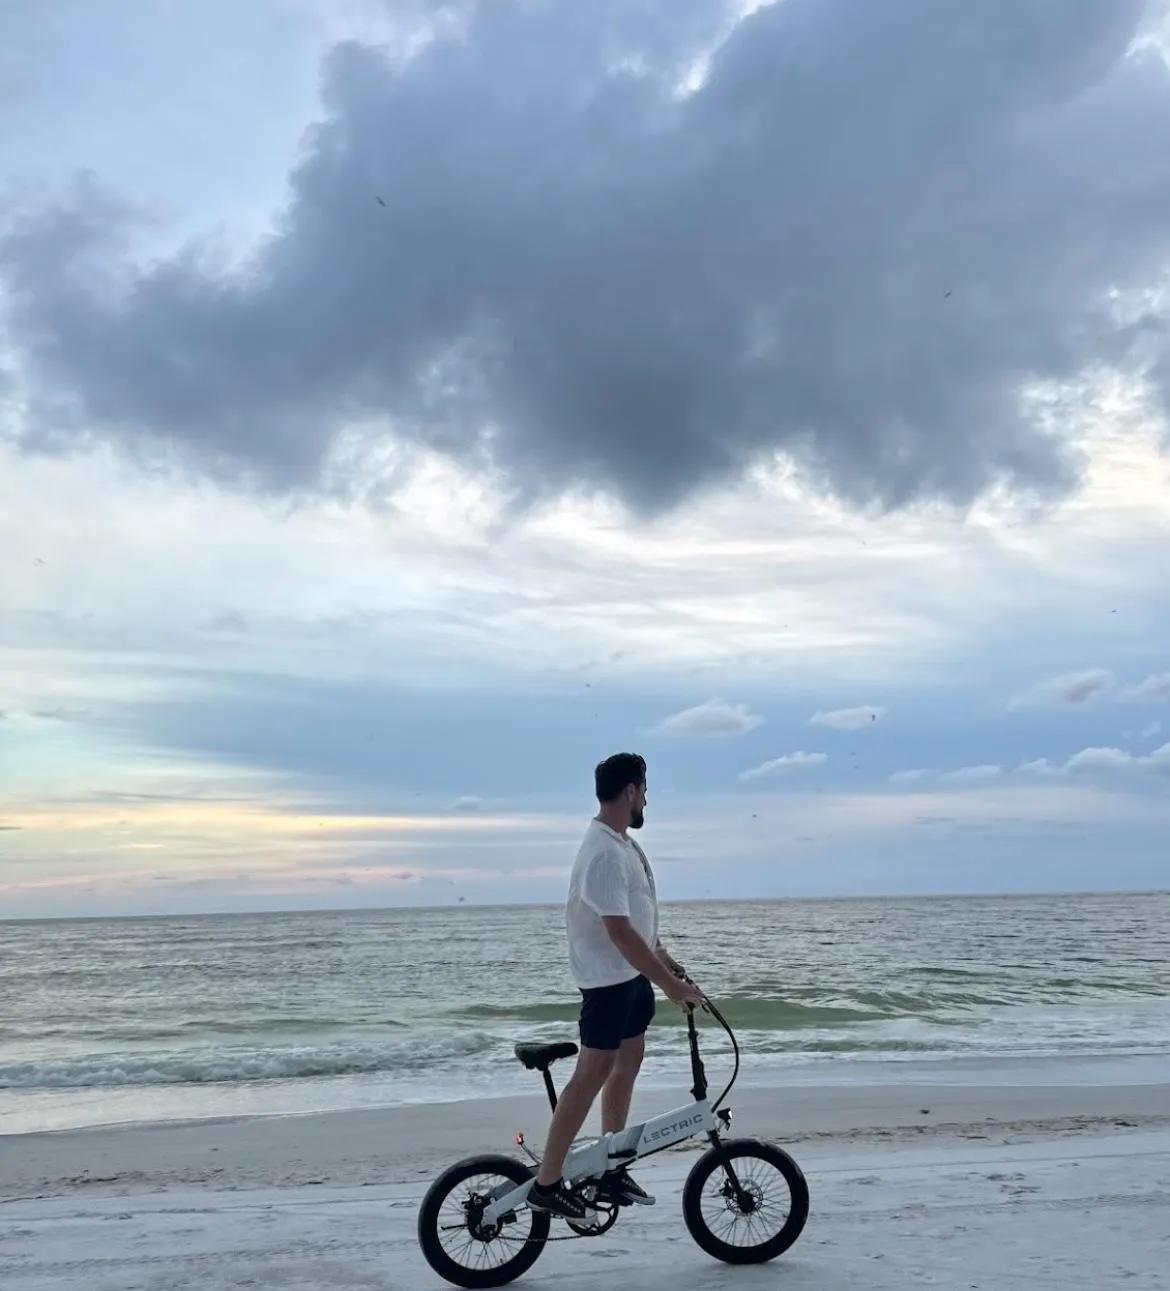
column 954, row 999
column 769, row 1012
column 233, row 1065
column 153, row 1030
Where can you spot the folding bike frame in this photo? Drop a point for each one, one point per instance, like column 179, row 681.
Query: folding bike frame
column 590, row 1160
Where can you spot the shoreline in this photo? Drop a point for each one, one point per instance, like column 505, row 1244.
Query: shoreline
column 81, row 1110
column 359, row 1147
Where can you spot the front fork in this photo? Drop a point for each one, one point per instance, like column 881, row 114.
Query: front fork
column 724, row 1157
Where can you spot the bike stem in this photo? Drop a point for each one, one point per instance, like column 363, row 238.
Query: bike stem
column 699, row 1093
column 698, row 1071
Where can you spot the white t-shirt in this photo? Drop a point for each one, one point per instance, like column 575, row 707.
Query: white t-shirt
column 608, row 877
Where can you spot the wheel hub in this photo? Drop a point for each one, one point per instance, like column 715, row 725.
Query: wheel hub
column 481, row 1232
column 744, row 1200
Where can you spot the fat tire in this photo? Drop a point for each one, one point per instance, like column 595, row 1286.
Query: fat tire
column 708, row 1164
column 428, row 1224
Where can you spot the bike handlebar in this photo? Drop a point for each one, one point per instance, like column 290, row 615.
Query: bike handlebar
column 708, row 1007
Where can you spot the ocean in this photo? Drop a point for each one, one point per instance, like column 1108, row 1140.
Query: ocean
column 111, row 1020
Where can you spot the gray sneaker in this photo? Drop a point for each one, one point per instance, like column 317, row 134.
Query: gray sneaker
column 556, row 1199
column 625, row 1191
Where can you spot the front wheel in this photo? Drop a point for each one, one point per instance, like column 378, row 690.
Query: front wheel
column 759, row 1222
column 451, row 1233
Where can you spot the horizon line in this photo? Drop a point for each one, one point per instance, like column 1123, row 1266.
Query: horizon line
column 536, row 905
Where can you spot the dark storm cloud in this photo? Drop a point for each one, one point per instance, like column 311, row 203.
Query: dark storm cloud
column 870, row 226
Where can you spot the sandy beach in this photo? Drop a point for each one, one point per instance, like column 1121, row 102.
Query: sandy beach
column 994, row 1185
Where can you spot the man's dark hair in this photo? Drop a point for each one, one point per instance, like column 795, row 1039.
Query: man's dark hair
column 617, row 772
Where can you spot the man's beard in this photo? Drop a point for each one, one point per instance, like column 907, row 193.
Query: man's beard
column 637, row 819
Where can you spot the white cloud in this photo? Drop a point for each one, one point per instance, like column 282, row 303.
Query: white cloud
column 1080, row 687
column 789, row 762
column 975, row 774
column 714, row 718
column 1106, row 759
column 848, row 719
column 1152, row 731
column 979, row 774
column 1155, row 687
column 1040, row 766
column 469, row 803
column 1099, row 759
column 443, row 582
column 1103, row 760
column 1066, row 690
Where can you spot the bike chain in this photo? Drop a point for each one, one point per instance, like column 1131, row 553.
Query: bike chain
column 572, row 1237
column 601, row 1232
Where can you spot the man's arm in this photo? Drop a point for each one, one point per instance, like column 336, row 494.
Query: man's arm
column 648, row 962
column 669, row 960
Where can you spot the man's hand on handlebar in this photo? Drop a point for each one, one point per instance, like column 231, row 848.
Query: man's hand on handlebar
column 684, row 992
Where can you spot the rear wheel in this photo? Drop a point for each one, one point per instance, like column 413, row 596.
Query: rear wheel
column 755, row 1223
column 455, row 1241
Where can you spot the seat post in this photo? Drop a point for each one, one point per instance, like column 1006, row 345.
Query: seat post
column 548, row 1084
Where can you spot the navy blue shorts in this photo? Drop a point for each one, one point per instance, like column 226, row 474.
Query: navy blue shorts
column 611, row 1014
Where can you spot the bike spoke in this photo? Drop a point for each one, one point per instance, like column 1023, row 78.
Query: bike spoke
column 469, row 1250
column 732, row 1225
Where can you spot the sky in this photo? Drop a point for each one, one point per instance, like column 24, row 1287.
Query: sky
column 405, row 405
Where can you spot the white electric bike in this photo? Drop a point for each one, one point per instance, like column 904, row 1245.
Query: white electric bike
column 476, row 1230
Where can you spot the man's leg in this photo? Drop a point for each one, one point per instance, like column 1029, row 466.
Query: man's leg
column 573, row 1104
column 619, row 1087
column 605, row 1015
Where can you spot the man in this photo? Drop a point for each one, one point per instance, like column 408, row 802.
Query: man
column 615, row 954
